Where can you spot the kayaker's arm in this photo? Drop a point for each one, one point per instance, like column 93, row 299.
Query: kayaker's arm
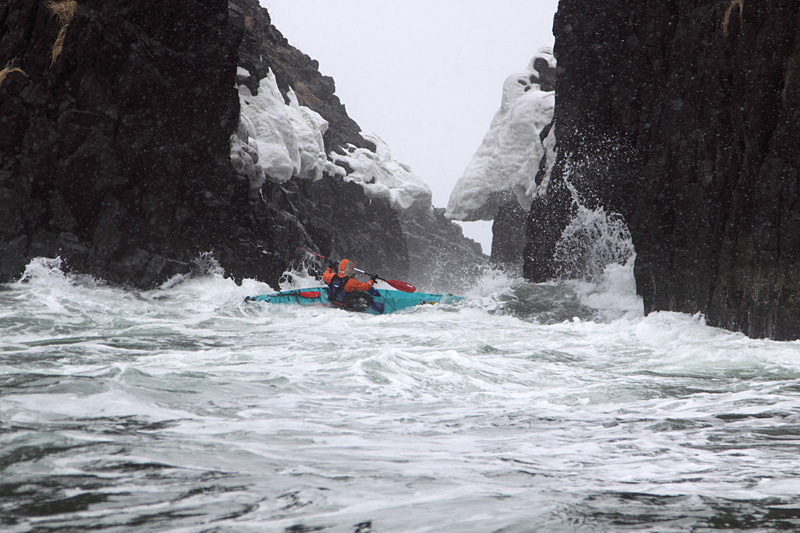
column 355, row 285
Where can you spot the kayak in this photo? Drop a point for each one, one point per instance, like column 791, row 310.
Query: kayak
column 384, row 300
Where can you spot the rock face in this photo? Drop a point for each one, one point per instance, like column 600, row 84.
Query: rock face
column 683, row 118
column 508, row 236
column 110, row 147
column 115, row 153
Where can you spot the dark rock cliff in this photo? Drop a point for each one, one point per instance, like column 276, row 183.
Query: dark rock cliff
column 116, row 122
column 106, row 153
column 508, row 236
column 682, row 116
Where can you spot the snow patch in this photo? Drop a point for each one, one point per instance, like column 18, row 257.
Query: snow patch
column 275, row 140
column 508, row 158
column 382, row 177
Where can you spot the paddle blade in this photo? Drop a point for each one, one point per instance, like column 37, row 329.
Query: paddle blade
column 401, row 285
column 308, row 294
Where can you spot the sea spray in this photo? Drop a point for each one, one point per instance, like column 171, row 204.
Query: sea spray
column 593, row 239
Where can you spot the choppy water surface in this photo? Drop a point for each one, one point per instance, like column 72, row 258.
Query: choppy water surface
column 528, row 407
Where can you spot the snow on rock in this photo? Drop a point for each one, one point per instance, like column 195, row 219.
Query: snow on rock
column 508, row 159
column 278, row 141
column 275, row 140
column 382, row 177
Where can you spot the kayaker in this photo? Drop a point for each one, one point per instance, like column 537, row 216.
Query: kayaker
column 344, row 290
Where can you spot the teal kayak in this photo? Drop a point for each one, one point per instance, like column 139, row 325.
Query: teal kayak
column 392, row 300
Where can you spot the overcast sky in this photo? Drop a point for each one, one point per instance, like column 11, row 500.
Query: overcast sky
column 424, row 75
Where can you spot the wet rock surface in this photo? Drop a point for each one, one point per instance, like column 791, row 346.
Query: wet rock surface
column 115, row 152
column 110, row 151
column 681, row 118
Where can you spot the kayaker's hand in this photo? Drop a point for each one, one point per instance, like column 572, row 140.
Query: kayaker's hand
column 373, row 279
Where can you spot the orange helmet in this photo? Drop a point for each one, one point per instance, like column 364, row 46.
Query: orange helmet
column 346, row 268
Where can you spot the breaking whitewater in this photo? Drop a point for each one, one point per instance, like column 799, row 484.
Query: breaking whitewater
column 554, row 407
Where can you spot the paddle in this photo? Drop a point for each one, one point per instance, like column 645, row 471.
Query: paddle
column 396, row 283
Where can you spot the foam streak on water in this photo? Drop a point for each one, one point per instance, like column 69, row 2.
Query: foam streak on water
column 554, row 407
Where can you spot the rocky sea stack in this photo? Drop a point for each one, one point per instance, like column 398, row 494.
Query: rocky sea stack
column 118, row 120
column 683, row 118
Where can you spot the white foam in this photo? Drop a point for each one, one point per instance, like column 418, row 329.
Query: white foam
column 614, row 292
column 507, row 414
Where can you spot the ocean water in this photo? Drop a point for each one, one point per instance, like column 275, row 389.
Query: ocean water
column 552, row 407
